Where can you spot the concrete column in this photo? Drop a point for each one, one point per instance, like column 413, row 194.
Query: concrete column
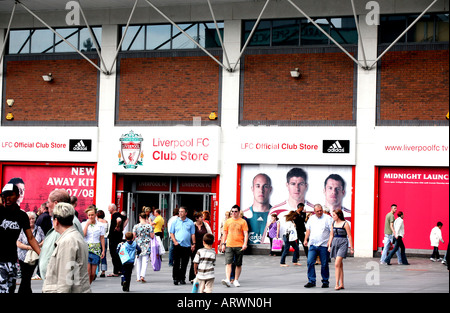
column 365, row 140
column 230, row 118
column 106, row 118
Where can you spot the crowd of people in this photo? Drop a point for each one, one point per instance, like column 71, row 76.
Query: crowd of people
column 46, row 243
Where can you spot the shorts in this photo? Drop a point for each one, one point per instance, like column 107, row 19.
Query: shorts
column 233, row 255
column 205, row 285
column 8, row 274
column 93, row 258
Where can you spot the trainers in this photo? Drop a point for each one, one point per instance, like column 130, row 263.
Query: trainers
column 432, row 259
column 226, row 282
column 36, row 277
column 236, row 284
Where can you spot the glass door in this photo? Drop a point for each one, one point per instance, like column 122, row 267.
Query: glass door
column 131, row 212
column 166, row 213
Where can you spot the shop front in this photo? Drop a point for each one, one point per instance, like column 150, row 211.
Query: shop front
column 197, row 194
column 166, row 168
column 281, row 167
column 40, row 161
column 412, row 172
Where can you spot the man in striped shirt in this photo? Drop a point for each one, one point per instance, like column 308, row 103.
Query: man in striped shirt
column 204, row 262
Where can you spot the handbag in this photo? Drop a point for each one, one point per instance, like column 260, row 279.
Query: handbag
column 277, row 245
column 31, row 257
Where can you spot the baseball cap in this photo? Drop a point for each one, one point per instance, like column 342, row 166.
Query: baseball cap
column 9, row 188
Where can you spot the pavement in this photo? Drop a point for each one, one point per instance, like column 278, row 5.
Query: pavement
column 262, row 275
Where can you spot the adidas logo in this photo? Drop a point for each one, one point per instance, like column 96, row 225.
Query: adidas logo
column 80, row 146
column 336, row 147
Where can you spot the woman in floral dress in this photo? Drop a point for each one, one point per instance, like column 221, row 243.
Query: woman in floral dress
column 143, row 233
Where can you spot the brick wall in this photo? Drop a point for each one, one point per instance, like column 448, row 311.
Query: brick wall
column 414, row 85
column 168, row 88
column 324, row 91
column 71, row 96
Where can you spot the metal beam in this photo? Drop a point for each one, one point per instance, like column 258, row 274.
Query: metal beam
column 92, row 36
column 251, row 34
column 366, row 67
column 219, row 35
column 7, row 32
column 187, row 35
column 325, row 33
column 402, row 34
column 57, row 34
column 123, row 36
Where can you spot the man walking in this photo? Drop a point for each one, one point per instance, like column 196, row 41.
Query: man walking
column 12, row 221
column 182, row 233
column 389, row 233
column 234, row 243
column 399, row 228
column 55, row 197
column 318, row 230
column 300, row 225
column 115, row 237
column 67, row 269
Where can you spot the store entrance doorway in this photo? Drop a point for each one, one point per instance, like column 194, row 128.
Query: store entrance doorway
column 197, row 194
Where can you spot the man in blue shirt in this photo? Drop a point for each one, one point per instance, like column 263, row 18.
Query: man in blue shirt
column 182, row 233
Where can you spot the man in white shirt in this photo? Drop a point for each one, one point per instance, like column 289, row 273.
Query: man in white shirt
column 399, row 228
column 318, row 230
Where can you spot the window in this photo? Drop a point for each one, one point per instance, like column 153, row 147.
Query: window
column 168, row 37
column 301, row 32
column 45, row 41
column 430, row 28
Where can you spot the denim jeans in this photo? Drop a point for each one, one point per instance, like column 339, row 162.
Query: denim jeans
column 322, row 252
column 388, row 241
column 287, row 245
column 399, row 246
column 171, row 245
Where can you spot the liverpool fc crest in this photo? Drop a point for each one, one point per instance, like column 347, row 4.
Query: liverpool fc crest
column 131, row 154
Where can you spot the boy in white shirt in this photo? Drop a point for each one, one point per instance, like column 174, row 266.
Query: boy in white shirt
column 204, row 262
column 435, row 237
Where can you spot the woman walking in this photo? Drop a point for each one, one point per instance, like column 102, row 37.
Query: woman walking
column 273, row 231
column 23, row 247
column 340, row 239
column 201, row 228
column 290, row 238
column 143, row 234
column 103, row 262
column 94, row 235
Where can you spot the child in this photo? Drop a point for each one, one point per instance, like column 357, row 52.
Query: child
column 204, row 262
column 435, row 237
column 127, row 265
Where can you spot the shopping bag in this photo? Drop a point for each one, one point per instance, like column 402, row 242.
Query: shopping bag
column 195, row 286
column 154, row 255
column 162, row 251
column 277, row 245
column 123, row 254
